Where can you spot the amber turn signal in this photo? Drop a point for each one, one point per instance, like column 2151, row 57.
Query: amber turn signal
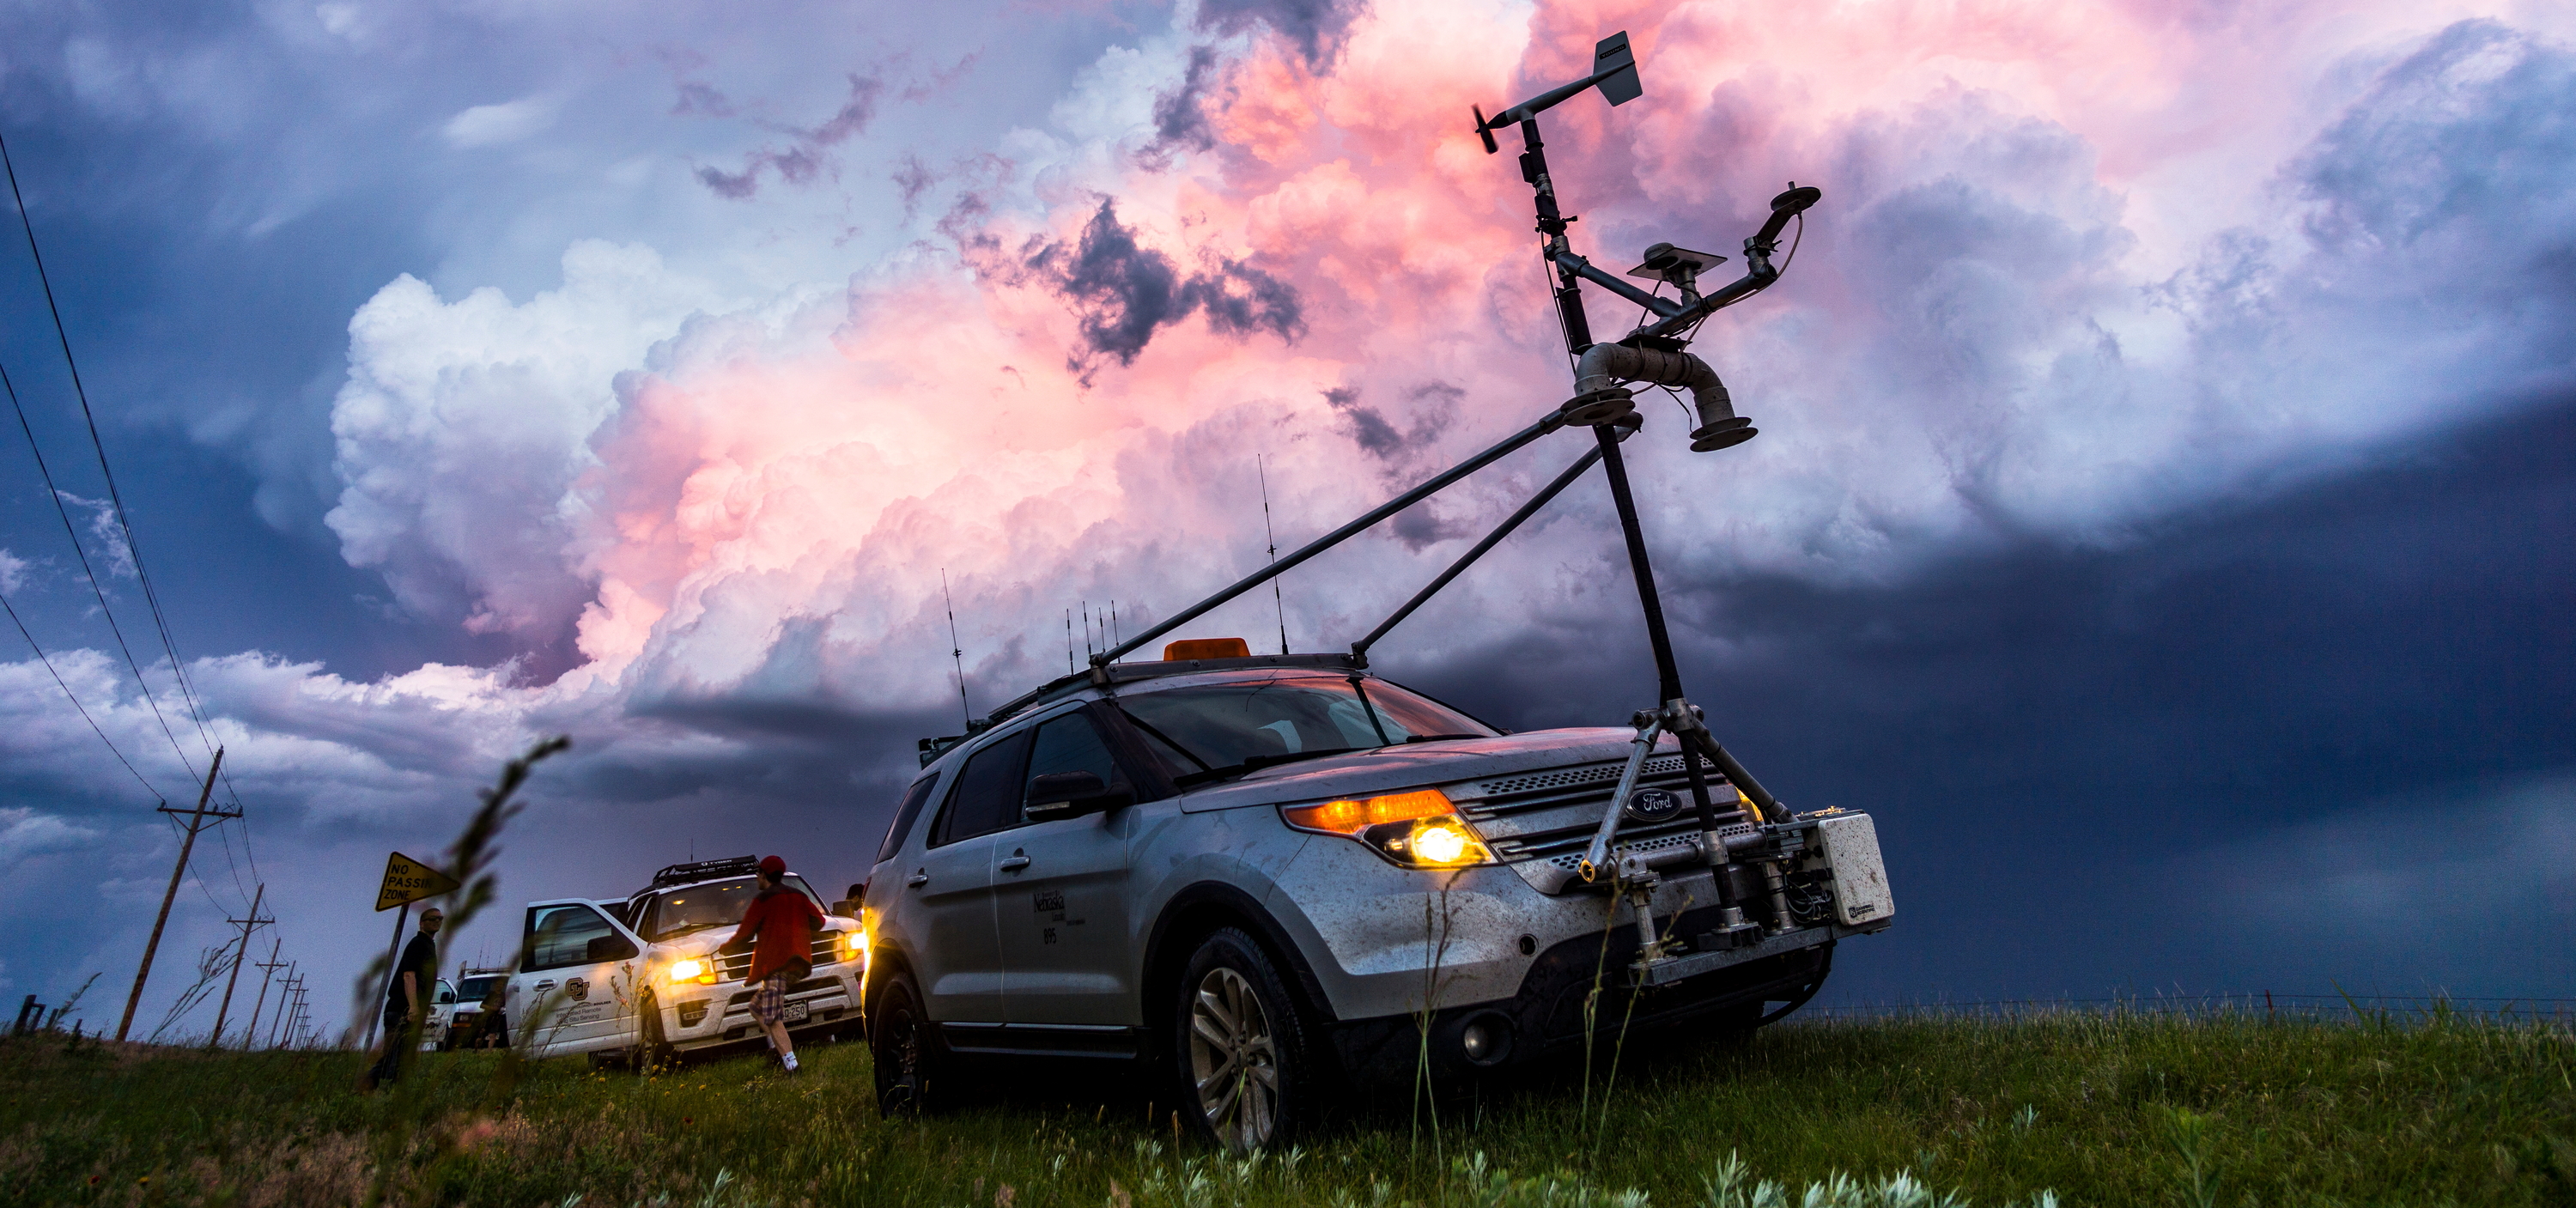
column 1352, row 817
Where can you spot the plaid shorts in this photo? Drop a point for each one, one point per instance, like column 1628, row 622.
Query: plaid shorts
column 769, row 1002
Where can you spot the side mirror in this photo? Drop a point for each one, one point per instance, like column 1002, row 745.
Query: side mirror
column 609, row 948
column 1071, row 795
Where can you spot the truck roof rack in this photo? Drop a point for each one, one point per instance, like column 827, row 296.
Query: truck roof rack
column 706, row 870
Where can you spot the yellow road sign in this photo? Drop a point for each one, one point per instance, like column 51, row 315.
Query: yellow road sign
column 410, row 880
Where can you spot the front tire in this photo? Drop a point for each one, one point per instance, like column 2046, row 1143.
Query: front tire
column 1240, row 1041
column 653, row 1049
column 905, row 1050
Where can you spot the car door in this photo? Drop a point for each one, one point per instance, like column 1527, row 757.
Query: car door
column 1060, row 893
column 575, row 990
column 958, row 958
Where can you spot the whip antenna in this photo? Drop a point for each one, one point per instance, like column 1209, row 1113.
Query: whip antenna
column 955, row 650
column 1273, row 534
column 1068, row 641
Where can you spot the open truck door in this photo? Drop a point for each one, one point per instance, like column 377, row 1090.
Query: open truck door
column 577, row 991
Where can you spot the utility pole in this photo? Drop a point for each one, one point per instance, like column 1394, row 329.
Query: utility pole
column 295, row 1013
column 196, row 822
column 240, row 953
column 285, row 995
column 267, row 969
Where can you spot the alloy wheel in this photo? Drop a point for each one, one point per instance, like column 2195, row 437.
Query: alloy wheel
column 1234, row 1061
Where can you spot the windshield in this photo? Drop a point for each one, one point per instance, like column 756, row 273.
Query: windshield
column 476, row 989
column 714, row 904
column 1215, row 730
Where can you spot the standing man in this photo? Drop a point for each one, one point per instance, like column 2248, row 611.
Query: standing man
column 779, row 925
column 407, row 999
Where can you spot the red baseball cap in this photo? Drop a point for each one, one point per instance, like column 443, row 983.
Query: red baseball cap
column 773, row 866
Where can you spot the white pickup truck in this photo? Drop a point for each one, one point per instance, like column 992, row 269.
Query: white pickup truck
column 640, row 979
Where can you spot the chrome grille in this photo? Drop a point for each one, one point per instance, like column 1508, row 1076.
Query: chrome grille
column 1552, row 815
column 826, row 949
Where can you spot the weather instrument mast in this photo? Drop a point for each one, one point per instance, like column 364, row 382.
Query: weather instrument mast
column 1654, row 353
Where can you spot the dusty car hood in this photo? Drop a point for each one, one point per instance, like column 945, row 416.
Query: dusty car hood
column 1388, row 769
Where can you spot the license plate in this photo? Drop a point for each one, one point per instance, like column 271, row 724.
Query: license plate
column 796, row 1012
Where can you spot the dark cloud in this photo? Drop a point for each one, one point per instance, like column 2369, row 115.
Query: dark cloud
column 914, row 178
column 2086, row 761
column 802, row 159
column 1314, row 26
column 1180, row 116
column 1241, row 300
column 700, row 100
column 1431, row 405
column 1124, row 291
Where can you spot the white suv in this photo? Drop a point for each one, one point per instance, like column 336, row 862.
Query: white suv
column 1280, row 878
column 641, row 978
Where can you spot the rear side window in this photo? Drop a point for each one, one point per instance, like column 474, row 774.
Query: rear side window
column 1072, row 744
column 561, row 935
column 905, row 815
column 988, row 792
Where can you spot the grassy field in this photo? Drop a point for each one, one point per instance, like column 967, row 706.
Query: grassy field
column 2091, row 1109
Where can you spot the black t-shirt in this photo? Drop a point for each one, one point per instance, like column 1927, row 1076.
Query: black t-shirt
column 420, row 959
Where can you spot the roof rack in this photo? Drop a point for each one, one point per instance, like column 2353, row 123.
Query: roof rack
column 1127, row 673
column 706, row 870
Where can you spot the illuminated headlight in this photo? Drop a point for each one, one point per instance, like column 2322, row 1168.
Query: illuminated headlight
column 692, row 970
column 1419, row 828
column 854, row 943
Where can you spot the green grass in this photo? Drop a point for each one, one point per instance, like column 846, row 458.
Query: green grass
column 2097, row 1109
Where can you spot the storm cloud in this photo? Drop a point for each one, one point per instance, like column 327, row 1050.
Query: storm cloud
column 2164, row 432
column 1124, row 292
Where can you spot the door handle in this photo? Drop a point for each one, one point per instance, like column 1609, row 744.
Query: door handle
column 1014, row 862
column 918, row 879
column 544, row 986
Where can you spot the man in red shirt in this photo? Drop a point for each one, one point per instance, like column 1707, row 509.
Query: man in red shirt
column 779, row 926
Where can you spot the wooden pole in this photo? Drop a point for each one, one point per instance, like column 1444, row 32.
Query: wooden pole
column 240, row 954
column 196, row 822
column 267, row 969
column 285, row 995
column 376, row 1013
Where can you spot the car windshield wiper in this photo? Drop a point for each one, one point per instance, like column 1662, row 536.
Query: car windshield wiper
column 1413, row 738
column 1258, row 762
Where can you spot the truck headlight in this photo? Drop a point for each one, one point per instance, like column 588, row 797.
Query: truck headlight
column 1418, row 828
column 691, row 970
column 854, row 943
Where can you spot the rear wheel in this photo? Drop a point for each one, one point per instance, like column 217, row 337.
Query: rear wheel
column 906, row 1054
column 1241, row 1047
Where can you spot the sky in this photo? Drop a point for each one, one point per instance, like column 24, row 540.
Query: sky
column 2168, row 442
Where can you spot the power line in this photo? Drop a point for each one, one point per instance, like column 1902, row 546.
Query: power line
column 76, row 701
column 125, row 525
column 82, row 553
column 115, row 498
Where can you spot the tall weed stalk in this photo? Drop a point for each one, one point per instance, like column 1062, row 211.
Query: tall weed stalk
column 469, row 862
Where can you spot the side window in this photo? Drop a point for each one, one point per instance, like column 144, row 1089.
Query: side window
column 905, row 815
column 562, row 935
column 1071, row 744
column 988, row 792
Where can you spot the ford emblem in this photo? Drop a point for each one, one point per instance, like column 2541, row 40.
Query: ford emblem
column 1652, row 805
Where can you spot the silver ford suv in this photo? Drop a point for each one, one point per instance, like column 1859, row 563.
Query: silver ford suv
column 1282, row 879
